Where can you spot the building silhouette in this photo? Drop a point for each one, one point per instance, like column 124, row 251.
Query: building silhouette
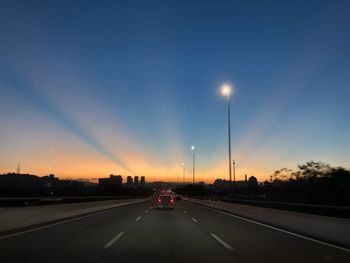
column 129, row 182
column 114, row 181
column 252, row 181
column 136, row 181
column 222, row 184
column 143, row 181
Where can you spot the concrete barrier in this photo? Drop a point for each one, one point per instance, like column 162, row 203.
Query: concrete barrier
column 326, row 210
column 49, row 200
column 18, row 218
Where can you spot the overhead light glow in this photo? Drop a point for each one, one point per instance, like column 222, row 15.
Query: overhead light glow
column 226, row 89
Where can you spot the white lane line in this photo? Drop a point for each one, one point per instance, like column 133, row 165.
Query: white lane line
column 222, row 242
column 185, row 211
column 195, row 220
column 62, row 222
column 54, row 224
column 137, row 219
column 287, row 232
column 113, row 240
column 146, row 211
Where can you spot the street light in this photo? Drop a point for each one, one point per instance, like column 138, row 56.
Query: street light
column 183, row 173
column 234, row 172
column 226, row 90
column 193, row 163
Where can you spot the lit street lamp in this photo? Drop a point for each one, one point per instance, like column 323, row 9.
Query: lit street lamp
column 226, row 91
column 193, row 163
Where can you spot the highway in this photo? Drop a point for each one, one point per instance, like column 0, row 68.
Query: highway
column 140, row 233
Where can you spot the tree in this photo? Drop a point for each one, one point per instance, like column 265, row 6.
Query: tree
column 314, row 169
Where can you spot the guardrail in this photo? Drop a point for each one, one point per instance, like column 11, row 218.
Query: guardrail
column 327, row 210
column 46, row 200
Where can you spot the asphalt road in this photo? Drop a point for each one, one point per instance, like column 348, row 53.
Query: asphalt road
column 140, row 233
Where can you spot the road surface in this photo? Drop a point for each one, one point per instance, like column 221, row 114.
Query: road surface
column 140, row 233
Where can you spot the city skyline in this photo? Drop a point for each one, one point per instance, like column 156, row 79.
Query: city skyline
column 88, row 90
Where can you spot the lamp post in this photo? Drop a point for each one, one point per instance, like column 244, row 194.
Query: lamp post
column 226, row 91
column 183, row 173
column 193, row 163
column 234, row 174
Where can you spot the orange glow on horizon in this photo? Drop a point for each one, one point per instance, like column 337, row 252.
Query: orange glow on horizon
column 91, row 169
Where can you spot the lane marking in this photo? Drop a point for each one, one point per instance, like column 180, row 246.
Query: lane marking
column 222, row 242
column 63, row 222
column 185, row 211
column 195, row 220
column 113, row 240
column 51, row 225
column 137, row 219
column 146, row 211
column 287, row 232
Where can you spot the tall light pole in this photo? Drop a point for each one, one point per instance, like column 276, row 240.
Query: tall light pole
column 183, row 173
column 226, row 91
column 193, row 163
column 234, row 173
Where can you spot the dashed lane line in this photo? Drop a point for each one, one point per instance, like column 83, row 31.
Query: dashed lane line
column 222, row 242
column 113, row 240
column 194, row 220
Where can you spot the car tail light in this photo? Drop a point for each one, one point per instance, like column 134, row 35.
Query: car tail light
column 159, row 200
column 171, row 200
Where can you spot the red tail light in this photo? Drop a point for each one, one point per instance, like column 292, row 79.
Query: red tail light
column 171, row 200
column 159, row 200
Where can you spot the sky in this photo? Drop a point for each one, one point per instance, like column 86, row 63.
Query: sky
column 92, row 88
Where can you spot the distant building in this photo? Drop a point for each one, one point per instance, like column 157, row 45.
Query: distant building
column 50, row 180
column 252, row 181
column 220, row 184
column 136, row 181
column 129, row 182
column 241, row 184
column 142, row 182
column 112, row 181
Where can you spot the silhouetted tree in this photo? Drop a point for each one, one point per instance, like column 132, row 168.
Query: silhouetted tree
column 314, row 182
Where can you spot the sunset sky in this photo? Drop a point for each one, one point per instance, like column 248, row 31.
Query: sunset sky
column 90, row 88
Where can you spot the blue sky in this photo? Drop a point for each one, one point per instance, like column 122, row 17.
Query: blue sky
column 90, row 88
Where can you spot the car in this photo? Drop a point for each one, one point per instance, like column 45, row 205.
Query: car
column 165, row 202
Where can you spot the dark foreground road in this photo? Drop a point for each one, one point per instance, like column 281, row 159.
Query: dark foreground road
column 139, row 233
